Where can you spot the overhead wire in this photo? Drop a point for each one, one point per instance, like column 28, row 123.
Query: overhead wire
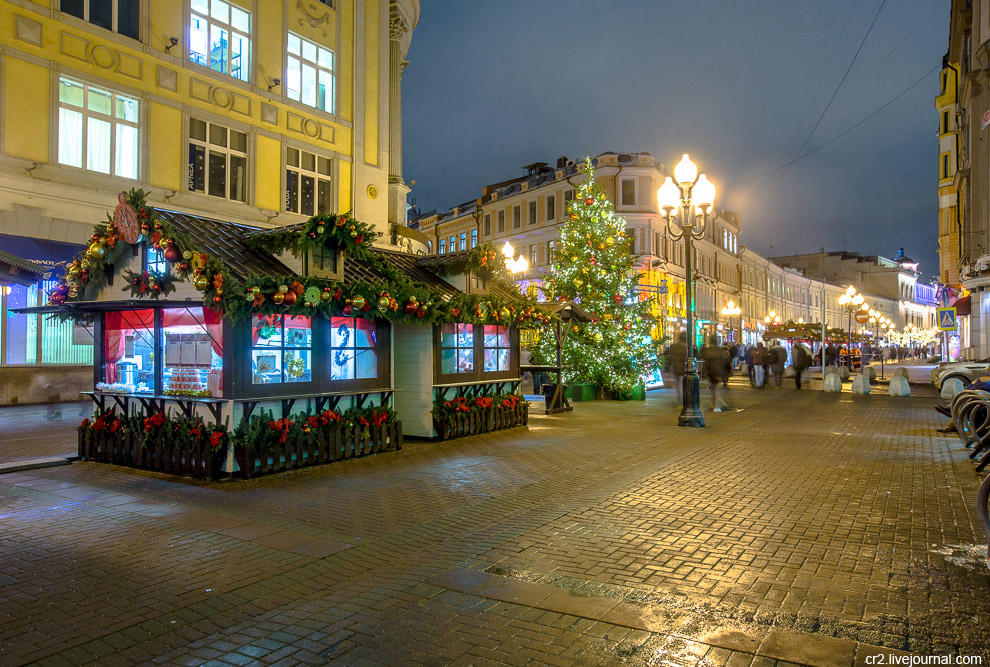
column 839, row 87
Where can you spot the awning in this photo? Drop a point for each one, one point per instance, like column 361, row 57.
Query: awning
column 40, row 251
column 18, row 271
column 963, row 305
column 107, row 306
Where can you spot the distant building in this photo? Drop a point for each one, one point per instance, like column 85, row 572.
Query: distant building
column 949, row 219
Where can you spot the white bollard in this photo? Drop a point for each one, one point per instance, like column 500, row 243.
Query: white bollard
column 843, row 373
column 951, row 387
column 899, row 386
column 901, row 372
column 871, row 373
column 861, row 385
column 831, row 369
column 789, row 372
column 832, row 383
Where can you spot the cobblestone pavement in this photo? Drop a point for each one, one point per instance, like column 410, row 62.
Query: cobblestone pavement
column 40, row 431
column 800, row 527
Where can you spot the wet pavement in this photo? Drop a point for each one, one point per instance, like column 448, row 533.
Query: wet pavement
column 799, row 527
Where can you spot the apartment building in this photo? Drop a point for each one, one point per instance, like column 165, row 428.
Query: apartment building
column 261, row 112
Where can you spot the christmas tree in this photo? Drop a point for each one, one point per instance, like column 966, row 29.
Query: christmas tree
column 593, row 266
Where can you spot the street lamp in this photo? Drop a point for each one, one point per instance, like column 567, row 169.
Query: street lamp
column 685, row 207
column 520, row 265
column 731, row 311
column 852, row 302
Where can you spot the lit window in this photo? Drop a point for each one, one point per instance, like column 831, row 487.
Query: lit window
column 463, row 245
column 456, row 348
column 474, row 238
column 219, row 37
column 443, row 246
column 497, row 348
column 121, row 16
column 217, row 160
column 192, row 351
column 309, row 77
column 97, row 129
column 307, row 183
column 532, row 254
column 281, row 349
column 453, row 247
column 154, row 260
column 353, row 348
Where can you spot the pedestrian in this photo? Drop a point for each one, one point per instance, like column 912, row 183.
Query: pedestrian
column 830, row 355
column 674, row 362
column 759, row 364
column 802, row 360
column 717, row 366
column 734, row 355
column 748, row 359
column 777, row 360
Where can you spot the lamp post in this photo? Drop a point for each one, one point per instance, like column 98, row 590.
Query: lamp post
column 852, row 302
column 732, row 311
column 517, row 265
column 685, row 207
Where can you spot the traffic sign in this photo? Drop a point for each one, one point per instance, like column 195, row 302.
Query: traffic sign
column 947, row 319
column 862, row 316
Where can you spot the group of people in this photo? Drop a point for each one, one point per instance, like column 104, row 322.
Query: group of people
column 764, row 365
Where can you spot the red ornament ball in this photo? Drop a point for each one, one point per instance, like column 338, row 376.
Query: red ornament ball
column 347, row 310
column 289, row 298
column 589, row 201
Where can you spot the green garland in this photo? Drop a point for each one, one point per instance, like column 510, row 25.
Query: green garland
column 483, row 260
column 149, row 284
column 396, row 298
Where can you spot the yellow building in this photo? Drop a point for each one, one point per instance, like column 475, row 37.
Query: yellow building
column 253, row 111
column 948, row 154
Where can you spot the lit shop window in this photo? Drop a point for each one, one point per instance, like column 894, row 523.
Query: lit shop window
column 192, row 352
column 281, row 349
column 309, row 75
column 497, row 348
column 97, row 129
column 219, row 37
column 456, row 348
column 353, row 348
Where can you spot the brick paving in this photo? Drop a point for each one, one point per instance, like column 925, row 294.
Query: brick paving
column 801, row 527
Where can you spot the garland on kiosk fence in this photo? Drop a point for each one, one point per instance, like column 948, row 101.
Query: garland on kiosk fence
column 396, row 298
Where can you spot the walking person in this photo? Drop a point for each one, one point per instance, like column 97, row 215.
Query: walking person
column 674, row 362
column 759, row 365
column 717, row 366
column 802, row 360
column 748, row 358
column 777, row 359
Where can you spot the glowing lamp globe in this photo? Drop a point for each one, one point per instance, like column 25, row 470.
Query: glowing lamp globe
column 668, row 196
column 704, row 192
column 685, row 171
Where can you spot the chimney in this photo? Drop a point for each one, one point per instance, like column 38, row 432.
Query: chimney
column 561, row 162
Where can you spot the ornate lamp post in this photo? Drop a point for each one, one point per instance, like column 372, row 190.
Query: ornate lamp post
column 519, row 265
column 685, row 207
column 731, row 311
column 852, row 302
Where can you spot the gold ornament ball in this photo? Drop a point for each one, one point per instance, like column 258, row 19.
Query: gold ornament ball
column 358, row 302
column 382, row 303
column 413, row 299
column 282, row 289
column 504, row 313
column 97, row 250
column 249, row 297
column 320, row 229
column 278, row 297
column 353, row 233
column 201, row 283
column 609, row 240
column 255, row 291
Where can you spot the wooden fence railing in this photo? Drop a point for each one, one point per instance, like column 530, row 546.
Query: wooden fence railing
column 140, row 450
column 495, row 418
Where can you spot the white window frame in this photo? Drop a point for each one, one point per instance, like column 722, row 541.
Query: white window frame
column 215, row 23
column 301, row 172
column 303, row 63
column 227, row 151
column 87, row 115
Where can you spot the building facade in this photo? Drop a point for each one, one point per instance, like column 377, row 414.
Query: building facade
column 528, row 212
column 948, row 166
column 260, row 112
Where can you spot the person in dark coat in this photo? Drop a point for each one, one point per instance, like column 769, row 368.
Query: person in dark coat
column 674, row 363
column 777, row 360
column 802, row 360
column 830, row 355
column 717, row 366
column 748, row 358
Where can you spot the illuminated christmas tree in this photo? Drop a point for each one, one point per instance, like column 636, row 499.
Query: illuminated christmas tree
column 593, row 266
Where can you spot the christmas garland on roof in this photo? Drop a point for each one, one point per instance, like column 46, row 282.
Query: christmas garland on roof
column 483, row 260
column 396, row 298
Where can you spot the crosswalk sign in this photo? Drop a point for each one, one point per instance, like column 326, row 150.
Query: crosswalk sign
column 947, row 319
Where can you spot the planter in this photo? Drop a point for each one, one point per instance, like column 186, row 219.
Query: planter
column 319, row 447
column 581, row 392
column 459, row 425
column 150, row 452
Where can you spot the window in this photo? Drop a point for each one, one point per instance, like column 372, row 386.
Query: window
column 628, row 192
column 501, row 222
column 551, row 247
column 463, row 245
column 456, row 348
column 281, row 349
column 191, row 349
column 945, row 121
column 516, row 217
column 453, row 247
column 154, row 259
column 217, row 160
column 129, row 350
column 532, row 212
column 219, row 37
column 443, row 246
column 474, row 238
column 307, row 183
column 568, row 196
column 945, row 165
column 532, row 254
column 498, row 348
column 551, row 207
column 488, row 224
column 121, row 16
column 97, row 129
column 309, row 77
column 353, row 348
column 321, row 262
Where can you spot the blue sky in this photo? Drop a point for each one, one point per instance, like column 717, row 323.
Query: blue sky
column 738, row 84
